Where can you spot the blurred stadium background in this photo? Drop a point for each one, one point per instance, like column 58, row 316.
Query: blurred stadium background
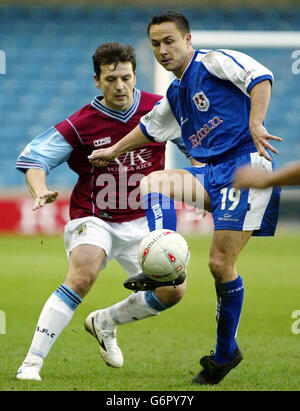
column 48, row 47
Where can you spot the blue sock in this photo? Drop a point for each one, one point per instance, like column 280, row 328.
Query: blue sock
column 230, row 300
column 160, row 211
column 68, row 296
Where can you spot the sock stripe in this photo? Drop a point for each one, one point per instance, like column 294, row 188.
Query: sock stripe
column 68, row 296
column 230, row 288
column 70, row 293
column 160, row 211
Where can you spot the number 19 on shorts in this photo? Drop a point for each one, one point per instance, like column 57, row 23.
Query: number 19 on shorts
column 232, row 195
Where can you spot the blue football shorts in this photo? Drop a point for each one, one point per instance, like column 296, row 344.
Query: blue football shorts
column 239, row 210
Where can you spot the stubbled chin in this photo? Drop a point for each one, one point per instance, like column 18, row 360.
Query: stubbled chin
column 123, row 106
column 170, row 66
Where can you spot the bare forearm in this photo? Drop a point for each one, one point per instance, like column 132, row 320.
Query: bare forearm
column 248, row 176
column 36, row 181
column 287, row 176
column 134, row 139
column 37, row 186
column 260, row 99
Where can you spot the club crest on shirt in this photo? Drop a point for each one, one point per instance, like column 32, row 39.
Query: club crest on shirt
column 81, row 229
column 201, row 101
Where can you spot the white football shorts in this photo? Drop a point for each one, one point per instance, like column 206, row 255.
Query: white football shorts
column 120, row 241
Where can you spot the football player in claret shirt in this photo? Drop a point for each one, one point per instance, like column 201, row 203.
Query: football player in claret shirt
column 218, row 100
column 106, row 219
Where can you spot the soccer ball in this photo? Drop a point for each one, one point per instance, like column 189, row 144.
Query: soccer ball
column 163, row 255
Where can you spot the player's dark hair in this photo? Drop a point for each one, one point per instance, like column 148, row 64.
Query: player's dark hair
column 113, row 53
column 174, row 16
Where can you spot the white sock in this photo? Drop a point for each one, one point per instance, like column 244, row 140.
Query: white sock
column 54, row 317
column 131, row 309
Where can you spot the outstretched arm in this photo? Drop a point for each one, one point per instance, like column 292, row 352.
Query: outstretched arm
column 134, row 139
column 36, row 183
column 247, row 177
column 158, row 125
column 40, row 156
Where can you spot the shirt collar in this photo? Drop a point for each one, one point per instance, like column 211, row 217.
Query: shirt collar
column 123, row 116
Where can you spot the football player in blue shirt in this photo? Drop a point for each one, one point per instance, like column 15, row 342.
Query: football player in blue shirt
column 217, row 102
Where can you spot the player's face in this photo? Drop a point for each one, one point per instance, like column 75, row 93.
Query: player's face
column 117, row 84
column 171, row 48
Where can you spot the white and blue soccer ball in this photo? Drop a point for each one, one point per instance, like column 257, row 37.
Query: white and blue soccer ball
column 164, row 255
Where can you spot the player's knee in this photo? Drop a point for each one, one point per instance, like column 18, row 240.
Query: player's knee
column 170, row 295
column 220, row 268
column 82, row 282
column 81, row 277
column 217, row 267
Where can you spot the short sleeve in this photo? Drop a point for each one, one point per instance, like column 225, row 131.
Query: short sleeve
column 68, row 130
column 45, row 152
column 239, row 68
column 160, row 123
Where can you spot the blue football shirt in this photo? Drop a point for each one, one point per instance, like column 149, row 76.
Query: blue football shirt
column 209, row 106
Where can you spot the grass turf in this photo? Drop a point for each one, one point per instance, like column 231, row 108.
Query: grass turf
column 161, row 354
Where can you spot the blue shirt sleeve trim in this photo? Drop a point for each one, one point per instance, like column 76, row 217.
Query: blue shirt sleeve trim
column 259, row 80
column 145, row 132
column 23, row 165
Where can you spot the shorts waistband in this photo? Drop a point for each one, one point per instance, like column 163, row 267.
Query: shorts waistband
column 233, row 153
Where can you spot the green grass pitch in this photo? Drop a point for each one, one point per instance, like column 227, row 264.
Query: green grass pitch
column 162, row 353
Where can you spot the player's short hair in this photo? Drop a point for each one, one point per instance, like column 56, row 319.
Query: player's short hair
column 174, row 16
column 113, row 53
